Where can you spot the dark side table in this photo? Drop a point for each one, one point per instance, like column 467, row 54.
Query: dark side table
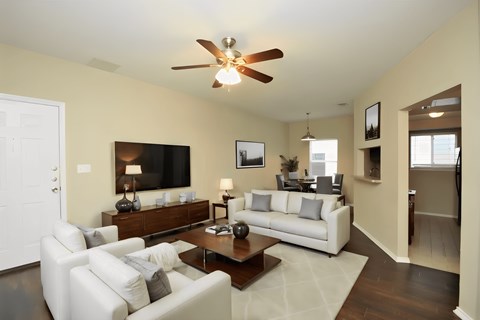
column 216, row 205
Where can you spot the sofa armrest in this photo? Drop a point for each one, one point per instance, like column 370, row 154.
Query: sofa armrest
column 123, row 247
column 338, row 224
column 57, row 261
column 209, row 297
column 235, row 205
column 92, row 299
column 110, row 233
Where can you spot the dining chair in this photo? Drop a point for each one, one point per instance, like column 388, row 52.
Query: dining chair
column 281, row 184
column 324, row 185
column 337, row 183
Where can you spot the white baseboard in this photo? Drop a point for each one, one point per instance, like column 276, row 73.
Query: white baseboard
column 435, row 214
column 381, row 246
column 461, row 314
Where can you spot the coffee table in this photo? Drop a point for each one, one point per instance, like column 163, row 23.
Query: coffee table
column 243, row 259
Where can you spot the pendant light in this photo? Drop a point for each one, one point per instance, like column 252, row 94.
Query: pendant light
column 308, row 136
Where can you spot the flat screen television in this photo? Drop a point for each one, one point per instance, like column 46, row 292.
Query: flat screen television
column 163, row 166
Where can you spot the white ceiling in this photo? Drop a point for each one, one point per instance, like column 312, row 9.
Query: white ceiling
column 334, row 49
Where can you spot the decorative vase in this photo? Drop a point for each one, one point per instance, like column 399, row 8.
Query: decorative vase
column 124, row 205
column 240, row 230
column 136, row 205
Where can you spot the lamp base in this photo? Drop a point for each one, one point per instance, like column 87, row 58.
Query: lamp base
column 225, row 198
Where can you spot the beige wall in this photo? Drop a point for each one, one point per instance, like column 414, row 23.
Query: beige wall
column 103, row 107
column 340, row 128
column 447, row 58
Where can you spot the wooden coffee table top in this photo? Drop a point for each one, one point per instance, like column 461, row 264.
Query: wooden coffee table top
column 227, row 245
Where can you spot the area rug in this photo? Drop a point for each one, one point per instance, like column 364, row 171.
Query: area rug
column 305, row 285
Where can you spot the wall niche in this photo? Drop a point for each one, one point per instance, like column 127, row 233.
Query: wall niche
column 372, row 168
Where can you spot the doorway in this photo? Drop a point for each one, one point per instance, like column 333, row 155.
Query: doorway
column 433, row 143
column 32, row 178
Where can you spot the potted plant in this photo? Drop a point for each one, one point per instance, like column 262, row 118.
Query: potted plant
column 289, row 165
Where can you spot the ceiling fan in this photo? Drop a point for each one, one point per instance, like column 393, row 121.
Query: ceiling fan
column 231, row 62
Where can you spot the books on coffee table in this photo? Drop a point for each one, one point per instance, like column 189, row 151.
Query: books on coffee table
column 219, row 230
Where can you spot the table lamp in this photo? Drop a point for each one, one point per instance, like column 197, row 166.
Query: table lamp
column 226, row 184
column 133, row 170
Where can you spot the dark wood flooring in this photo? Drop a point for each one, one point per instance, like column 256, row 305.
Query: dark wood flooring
column 384, row 289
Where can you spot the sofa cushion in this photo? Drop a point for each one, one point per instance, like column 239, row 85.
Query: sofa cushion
column 69, row 236
column 248, row 200
column 291, row 223
column 310, row 209
column 295, row 201
column 261, row 202
column 279, row 199
column 158, row 285
column 127, row 282
column 327, row 207
column 93, row 238
column 255, row 218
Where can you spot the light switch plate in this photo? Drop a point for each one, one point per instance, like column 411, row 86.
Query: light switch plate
column 84, row 168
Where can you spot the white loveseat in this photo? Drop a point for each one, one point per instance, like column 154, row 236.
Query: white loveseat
column 65, row 249
column 93, row 298
column 328, row 234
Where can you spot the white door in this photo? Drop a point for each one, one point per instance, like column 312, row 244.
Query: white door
column 29, row 178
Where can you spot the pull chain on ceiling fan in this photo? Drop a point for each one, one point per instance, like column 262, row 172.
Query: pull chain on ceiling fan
column 232, row 62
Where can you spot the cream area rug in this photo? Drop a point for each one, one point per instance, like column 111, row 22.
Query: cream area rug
column 307, row 284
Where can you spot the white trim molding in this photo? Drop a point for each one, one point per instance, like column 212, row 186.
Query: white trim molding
column 461, row 314
column 381, row 246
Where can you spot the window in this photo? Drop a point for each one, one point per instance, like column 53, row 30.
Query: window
column 323, row 157
column 433, row 150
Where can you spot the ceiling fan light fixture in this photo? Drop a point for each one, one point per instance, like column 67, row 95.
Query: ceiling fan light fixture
column 435, row 114
column 308, row 136
column 228, row 77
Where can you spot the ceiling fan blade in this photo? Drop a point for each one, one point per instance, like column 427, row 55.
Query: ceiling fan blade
column 262, row 56
column 217, row 84
column 262, row 77
column 195, row 66
column 212, row 48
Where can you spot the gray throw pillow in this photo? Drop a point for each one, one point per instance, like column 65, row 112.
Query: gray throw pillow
column 93, row 238
column 310, row 209
column 261, row 202
column 158, row 285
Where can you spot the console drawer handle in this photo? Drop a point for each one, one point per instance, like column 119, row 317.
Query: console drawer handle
column 123, row 218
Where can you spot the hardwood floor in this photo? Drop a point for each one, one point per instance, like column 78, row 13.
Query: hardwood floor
column 436, row 243
column 384, row 289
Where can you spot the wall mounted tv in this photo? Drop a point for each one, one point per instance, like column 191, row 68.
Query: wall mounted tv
column 163, row 166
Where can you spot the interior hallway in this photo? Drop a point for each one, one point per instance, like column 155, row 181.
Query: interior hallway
column 436, row 243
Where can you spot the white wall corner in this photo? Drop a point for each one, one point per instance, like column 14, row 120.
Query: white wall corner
column 461, row 314
column 381, row 246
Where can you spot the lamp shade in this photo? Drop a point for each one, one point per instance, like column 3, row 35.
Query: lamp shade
column 228, row 77
column 133, row 169
column 226, row 184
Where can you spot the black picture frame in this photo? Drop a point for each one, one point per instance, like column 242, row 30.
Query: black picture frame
column 249, row 154
column 372, row 122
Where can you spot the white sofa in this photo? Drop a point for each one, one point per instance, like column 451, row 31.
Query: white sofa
column 62, row 251
column 328, row 234
column 93, row 298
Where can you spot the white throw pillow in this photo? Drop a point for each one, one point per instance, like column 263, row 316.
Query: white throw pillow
column 127, row 282
column 165, row 255
column 248, row 200
column 327, row 207
column 70, row 236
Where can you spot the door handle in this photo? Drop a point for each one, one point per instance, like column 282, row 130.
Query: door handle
column 55, row 190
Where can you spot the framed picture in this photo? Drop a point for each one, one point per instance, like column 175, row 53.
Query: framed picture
column 372, row 122
column 249, row 154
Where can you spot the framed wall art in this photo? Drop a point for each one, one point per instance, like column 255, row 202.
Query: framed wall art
column 249, row 154
column 372, row 122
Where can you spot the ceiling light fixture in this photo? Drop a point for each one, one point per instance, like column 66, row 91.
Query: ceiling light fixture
column 228, row 76
column 435, row 114
column 308, row 136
